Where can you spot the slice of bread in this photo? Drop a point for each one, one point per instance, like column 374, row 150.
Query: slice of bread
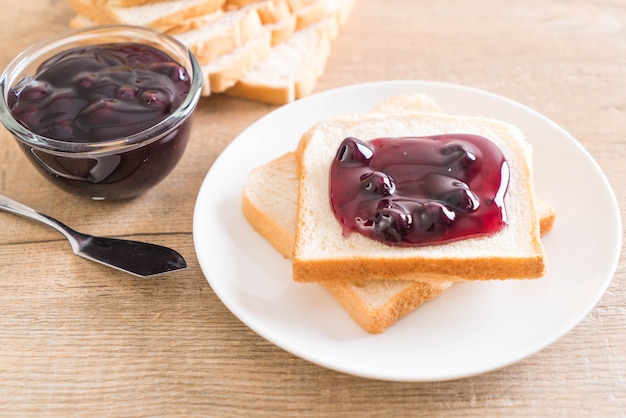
column 290, row 70
column 277, row 17
column 314, row 12
column 273, row 11
column 293, row 66
column 270, row 11
column 180, row 26
column 281, row 31
column 297, row 5
column 236, row 4
column 223, row 72
column 172, row 16
column 373, row 304
column 228, row 32
column 129, row 3
column 310, row 12
column 323, row 253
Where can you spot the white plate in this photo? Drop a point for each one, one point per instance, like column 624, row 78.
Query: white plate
column 473, row 327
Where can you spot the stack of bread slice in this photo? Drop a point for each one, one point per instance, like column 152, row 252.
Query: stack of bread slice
column 370, row 279
column 272, row 51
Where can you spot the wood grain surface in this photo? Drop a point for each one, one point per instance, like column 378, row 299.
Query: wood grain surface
column 77, row 339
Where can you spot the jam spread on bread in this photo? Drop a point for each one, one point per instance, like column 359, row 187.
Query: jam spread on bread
column 99, row 92
column 413, row 191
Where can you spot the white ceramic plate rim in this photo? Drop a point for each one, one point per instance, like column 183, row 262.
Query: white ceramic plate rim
column 472, row 328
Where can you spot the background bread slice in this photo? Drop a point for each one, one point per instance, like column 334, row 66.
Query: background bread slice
column 223, row 72
column 129, row 3
column 277, row 17
column 236, row 4
column 313, row 13
column 182, row 26
column 167, row 16
column 322, row 253
column 282, row 30
column 222, row 35
column 296, row 5
column 273, row 11
column 290, row 69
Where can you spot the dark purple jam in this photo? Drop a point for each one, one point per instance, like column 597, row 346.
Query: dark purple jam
column 414, row 191
column 99, row 93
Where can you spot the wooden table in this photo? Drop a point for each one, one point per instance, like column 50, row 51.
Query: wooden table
column 79, row 339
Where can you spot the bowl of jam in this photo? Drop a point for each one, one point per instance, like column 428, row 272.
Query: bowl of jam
column 102, row 112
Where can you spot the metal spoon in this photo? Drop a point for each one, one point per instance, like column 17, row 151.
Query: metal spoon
column 138, row 258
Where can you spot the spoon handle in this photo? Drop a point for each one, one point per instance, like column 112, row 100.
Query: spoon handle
column 138, row 258
column 21, row 209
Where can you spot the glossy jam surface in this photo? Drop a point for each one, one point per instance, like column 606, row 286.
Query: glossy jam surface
column 415, row 191
column 99, row 93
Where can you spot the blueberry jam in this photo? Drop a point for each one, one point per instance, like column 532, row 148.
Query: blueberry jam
column 414, row 191
column 99, row 93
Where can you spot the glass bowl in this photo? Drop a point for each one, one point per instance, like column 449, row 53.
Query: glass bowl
column 129, row 161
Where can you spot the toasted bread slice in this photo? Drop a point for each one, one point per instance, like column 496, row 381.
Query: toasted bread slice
column 323, row 253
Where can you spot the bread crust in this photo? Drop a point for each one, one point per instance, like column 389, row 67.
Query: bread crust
column 313, row 13
column 273, row 11
column 264, row 85
column 224, row 72
column 256, row 210
column 172, row 21
column 419, row 268
column 281, row 31
column 129, row 3
column 376, row 320
column 239, row 27
column 192, row 23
